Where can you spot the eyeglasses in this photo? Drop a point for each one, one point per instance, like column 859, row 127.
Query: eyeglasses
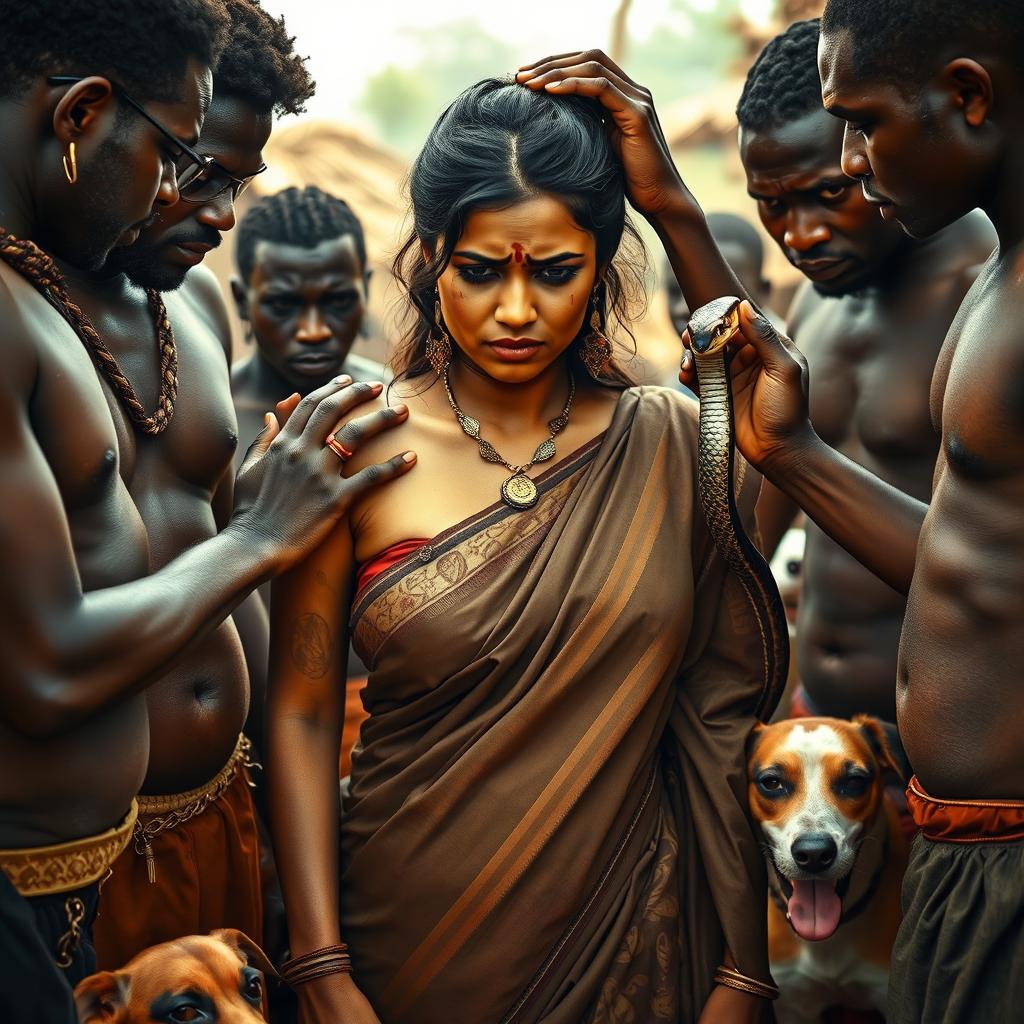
column 214, row 180
column 197, row 164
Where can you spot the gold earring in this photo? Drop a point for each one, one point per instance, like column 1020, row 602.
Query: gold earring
column 70, row 168
column 439, row 350
column 596, row 350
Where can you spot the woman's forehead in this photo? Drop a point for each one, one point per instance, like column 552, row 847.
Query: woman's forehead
column 534, row 225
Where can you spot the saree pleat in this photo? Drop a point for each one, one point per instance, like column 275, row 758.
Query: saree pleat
column 547, row 813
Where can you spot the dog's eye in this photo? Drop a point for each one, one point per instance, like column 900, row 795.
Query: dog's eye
column 252, row 989
column 772, row 785
column 852, row 785
column 186, row 1015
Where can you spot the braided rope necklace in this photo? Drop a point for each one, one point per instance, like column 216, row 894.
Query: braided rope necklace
column 40, row 270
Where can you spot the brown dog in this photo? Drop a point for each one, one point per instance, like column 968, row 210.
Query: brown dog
column 836, row 857
column 199, row 978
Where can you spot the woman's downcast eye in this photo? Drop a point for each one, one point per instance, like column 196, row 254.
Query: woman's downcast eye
column 546, row 275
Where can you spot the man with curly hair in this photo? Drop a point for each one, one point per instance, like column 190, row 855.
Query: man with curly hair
column 195, row 862
column 932, row 96
column 101, row 103
column 870, row 317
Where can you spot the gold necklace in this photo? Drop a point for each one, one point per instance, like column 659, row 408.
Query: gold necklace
column 518, row 490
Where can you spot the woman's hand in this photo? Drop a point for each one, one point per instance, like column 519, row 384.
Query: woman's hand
column 769, row 391
column 334, row 1000
column 652, row 181
column 727, row 1006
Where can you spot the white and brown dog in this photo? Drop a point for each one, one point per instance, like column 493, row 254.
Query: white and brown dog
column 215, row 977
column 836, row 857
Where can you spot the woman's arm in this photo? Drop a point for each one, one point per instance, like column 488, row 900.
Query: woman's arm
column 308, row 653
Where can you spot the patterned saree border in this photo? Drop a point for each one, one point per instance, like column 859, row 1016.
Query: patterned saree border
column 429, row 572
column 566, row 785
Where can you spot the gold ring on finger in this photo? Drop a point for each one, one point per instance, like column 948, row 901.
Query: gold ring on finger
column 338, row 448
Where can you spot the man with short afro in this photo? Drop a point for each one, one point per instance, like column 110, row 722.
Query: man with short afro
column 195, row 872
column 932, row 96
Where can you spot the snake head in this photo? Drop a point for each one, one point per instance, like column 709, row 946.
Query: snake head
column 714, row 324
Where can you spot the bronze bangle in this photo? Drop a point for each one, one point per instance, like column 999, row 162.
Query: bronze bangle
column 729, row 977
column 318, row 963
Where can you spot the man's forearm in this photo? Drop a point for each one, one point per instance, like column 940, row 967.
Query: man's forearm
column 118, row 640
column 699, row 266
column 876, row 523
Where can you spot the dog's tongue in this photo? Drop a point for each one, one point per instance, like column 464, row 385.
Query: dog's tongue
column 814, row 910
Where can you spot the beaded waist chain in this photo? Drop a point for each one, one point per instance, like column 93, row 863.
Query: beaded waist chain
column 162, row 813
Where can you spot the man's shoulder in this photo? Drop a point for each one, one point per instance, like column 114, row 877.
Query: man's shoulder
column 360, row 368
column 28, row 322
column 202, row 292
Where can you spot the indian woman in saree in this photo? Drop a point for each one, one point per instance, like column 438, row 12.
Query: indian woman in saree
column 546, row 818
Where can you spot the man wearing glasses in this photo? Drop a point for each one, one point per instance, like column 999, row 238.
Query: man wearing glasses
column 92, row 608
column 194, row 864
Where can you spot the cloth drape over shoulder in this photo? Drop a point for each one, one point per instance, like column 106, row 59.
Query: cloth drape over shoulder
column 547, row 816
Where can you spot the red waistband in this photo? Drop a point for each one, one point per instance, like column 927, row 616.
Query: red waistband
column 965, row 821
column 373, row 567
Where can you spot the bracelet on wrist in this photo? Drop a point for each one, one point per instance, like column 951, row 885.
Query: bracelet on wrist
column 319, row 963
column 729, row 977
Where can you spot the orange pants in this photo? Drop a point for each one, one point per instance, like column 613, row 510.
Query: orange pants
column 207, row 877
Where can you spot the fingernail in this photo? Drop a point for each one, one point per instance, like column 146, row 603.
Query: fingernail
column 343, row 379
column 267, row 419
column 409, row 457
column 375, row 384
column 401, row 408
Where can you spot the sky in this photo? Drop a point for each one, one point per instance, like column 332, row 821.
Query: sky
column 348, row 42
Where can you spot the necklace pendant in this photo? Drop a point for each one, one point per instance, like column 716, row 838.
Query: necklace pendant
column 519, row 491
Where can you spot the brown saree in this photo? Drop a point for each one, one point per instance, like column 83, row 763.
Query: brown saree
column 547, row 817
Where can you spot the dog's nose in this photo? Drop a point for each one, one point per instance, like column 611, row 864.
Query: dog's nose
column 814, row 853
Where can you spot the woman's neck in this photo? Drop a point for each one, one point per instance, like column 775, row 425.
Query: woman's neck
column 510, row 409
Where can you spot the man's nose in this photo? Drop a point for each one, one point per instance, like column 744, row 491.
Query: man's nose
column 804, row 231
column 854, row 161
column 515, row 305
column 313, row 329
column 167, row 194
column 218, row 213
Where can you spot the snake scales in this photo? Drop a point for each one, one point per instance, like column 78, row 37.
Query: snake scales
column 711, row 328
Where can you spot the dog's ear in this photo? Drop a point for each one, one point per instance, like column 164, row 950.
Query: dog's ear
column 247, row 950
column 884, row 741
column 103, row 998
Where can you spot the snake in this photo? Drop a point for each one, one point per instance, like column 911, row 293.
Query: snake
column 712, row 327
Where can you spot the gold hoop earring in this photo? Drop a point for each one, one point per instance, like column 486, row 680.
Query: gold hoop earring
column 439, row 349
column 596, row 350
column 70, row 169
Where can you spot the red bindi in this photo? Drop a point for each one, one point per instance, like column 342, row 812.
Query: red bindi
column 517, row 252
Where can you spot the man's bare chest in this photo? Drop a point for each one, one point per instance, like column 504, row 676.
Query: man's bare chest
column 869, row 385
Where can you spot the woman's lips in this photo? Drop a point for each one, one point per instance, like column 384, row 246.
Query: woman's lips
column 514, row 350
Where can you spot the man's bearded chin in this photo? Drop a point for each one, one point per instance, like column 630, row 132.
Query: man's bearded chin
column 143, row 266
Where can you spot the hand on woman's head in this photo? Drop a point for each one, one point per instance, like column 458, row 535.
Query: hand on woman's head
column 652, row 181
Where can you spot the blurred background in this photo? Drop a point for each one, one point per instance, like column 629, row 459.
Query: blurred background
column 385, row 71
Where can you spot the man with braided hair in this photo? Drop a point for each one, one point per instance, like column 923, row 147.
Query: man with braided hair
column 99, row 100
column 870, row 317
column 301, row 291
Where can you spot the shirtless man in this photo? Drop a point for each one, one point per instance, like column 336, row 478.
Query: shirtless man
column 87, row 624
column 301, row 292
column 870, row 319
column 932, row 96
column 183, row 877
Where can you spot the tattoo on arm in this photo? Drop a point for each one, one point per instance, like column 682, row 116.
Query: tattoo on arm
column 312, row 648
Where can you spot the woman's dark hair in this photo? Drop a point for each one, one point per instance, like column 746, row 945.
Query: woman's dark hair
column 496, row 145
